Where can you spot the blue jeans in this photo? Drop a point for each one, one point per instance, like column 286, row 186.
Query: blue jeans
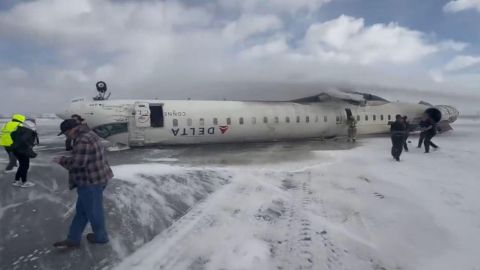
column 89, row 208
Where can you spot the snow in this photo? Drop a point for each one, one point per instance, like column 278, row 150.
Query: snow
column 350, row 209
column 335, row 209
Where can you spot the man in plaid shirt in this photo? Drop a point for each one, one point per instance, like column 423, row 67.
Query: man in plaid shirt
column 89, row 172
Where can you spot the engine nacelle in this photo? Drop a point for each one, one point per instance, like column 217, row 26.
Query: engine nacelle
column 442, row 113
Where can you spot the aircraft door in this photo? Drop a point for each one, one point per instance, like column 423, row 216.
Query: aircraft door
column 156, row 115
column 349, row 112
column 139, row 123
column 142, row 115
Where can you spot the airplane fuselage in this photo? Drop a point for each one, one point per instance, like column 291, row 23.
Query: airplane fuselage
column 154, row 122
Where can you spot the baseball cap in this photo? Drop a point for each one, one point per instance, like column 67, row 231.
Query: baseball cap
column 67, row 125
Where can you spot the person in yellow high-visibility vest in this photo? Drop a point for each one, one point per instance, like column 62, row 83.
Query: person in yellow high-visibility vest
column 6, row 140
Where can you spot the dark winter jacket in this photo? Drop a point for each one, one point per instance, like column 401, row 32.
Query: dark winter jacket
column 398, row 128
column 431, row 127
column 422, row 124
column 23, row 141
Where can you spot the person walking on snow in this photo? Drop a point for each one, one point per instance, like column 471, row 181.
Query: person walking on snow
column 6, row 139
column 422, row 125
column 68, row 141
column 430, row 131
column 89, row 172
column 352, row 128
column 24, row 138
column 397, row 131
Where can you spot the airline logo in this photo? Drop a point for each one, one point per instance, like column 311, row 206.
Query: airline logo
column 199, row 131
column 223, row 129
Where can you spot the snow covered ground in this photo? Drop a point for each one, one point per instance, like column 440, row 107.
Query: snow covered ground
column 350, row 209
column 313, row 205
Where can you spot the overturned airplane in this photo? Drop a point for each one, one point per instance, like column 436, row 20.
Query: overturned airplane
column 167, row 122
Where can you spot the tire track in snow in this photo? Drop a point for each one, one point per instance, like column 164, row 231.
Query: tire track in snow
column 306, row 246
column 299, row 249
column 296, row 241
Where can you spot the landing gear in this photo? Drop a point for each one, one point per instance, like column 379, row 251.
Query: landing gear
column 102, row 90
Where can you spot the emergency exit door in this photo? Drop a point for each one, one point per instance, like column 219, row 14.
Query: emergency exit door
column 142, row 114
column 156, row 115
column 139, row 123
column 348, row 112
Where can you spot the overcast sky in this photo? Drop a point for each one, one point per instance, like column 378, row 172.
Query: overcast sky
column 55, row 50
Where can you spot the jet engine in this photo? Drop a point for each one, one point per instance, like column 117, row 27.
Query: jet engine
column 441, row 113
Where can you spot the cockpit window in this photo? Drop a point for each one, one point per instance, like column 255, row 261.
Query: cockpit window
column 107, row 130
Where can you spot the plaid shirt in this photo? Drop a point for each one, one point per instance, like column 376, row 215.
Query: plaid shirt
column 87, row 165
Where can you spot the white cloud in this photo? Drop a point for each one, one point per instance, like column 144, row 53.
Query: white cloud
column 453, row 45
column 348, row 39
column 250, row 24
column 280, row 6
column 271, row 48
column 462, row 62
column 16, row 73
column 437, row 76
column 167, row 49
column 97, row 25
column 460, row 5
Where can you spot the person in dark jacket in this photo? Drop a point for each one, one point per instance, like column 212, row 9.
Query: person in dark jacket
column 68, row 141
column 422, row 126
column 397, row 131
column 407, row 133
column 430, row 132
column 89, row 173
column 24, row 138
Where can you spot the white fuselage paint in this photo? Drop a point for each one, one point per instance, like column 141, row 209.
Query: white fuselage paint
column 192, row 122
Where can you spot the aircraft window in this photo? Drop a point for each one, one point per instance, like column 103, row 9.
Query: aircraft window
column 381, row 117
column 107, row 130
column 358, row 118
column 175, row 122
column 389, row 117
column 265, row 120
column 215, row 121
column 276, row 119
column 325, row 119
column 240, row 120
column 201, row 122
column 374, row 117
column 254, row 120
column 298, row 119
column 189, row 122
column 366, row 117
column 307, row 119
column 316, row 119
column 229, row 121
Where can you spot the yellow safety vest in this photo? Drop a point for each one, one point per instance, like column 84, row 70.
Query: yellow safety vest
column 9, row 127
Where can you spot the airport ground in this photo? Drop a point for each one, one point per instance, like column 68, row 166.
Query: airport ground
column 288, row 205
